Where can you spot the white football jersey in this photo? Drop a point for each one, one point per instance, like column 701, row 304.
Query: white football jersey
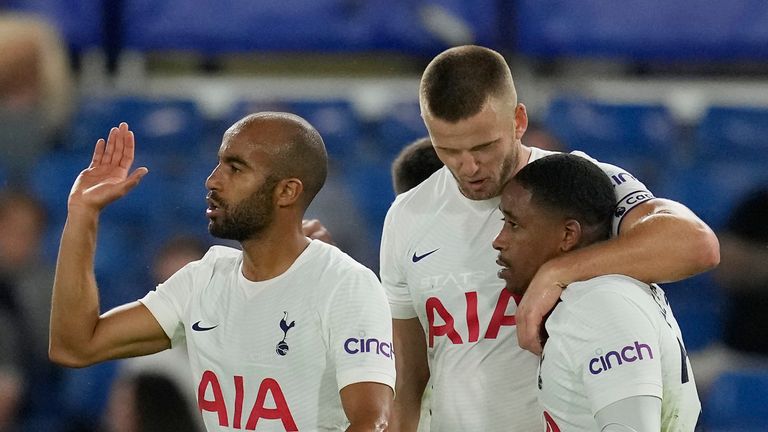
column 613, row 337
column 438, row 264
column 273, row 355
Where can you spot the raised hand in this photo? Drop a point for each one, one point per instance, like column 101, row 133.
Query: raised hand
column 106, row 179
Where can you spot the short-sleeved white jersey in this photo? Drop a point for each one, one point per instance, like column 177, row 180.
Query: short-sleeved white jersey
column 273, row 355
column 437, row 264
column 610, row 338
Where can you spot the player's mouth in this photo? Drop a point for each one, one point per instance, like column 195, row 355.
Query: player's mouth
column 476, row 185
column 504, row 272
column 214, row 207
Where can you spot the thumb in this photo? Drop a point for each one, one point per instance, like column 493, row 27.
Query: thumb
column 133, row 180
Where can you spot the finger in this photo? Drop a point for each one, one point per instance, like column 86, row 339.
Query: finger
column 117, row 154
column 98, row 153
column 128, row 151
column 110, row 146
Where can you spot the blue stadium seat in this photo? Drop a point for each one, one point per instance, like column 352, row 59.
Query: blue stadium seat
column 737, row 402
column 428, row 27
column 338, row 123
column 642, row 139
column 335, row 119
column 400, row 125
column 308, row 25
column 85, row 393
column 712, row 190
column 733, row 134
column 237, row 26
column 371, row 185
column 79, row 21
column 649, row 30
column 699, row 306
column 161, row 125
column 54, row 175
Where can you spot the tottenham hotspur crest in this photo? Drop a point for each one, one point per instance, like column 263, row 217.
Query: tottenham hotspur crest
column 282, row 346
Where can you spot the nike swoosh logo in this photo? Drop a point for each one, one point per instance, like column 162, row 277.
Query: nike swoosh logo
column 197, row 327
column 417, row 258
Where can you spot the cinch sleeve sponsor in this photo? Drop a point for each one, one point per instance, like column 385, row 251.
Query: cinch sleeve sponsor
column 614, row 348
column 360, row 331
column 393, row 276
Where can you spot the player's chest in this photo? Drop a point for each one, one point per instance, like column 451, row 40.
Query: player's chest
column 267, row 331
column 451, row 257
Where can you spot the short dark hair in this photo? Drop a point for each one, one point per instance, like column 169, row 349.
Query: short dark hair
column 574, row 187
column 458, row 82
column 301, row 154
column 414, row 164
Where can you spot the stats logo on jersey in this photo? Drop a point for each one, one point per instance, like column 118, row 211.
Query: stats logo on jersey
column 628, row 354
column 282, row 346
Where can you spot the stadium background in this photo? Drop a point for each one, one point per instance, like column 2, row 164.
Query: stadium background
column 674, row 91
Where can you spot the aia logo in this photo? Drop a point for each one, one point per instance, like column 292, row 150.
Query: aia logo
column 551, row 425
column 282, row 346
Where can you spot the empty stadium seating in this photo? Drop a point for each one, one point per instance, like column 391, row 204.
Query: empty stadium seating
column 642, row 139
column 161, row 125
column 659, row 30
column 737, row 402
column 79, row 21
column 732, row 134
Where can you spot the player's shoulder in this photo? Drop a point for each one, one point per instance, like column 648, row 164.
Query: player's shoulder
column 596, row 303
column 424, row 195
column 334, row 264
column 217, row 255
column 220, row 252
column 604, row 291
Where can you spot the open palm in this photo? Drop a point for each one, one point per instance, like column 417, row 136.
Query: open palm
column 106, row 179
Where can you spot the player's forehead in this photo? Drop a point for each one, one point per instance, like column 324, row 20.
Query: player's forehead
column 485, row 127
column 243, row 148
column 515, row 199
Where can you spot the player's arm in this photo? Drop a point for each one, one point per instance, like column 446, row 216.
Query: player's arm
column 659, row 241
column 633, row 414
column 367, row 406
column 412, row 373
column 79, row 336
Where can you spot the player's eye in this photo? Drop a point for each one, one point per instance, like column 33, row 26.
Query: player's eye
column 510, row 223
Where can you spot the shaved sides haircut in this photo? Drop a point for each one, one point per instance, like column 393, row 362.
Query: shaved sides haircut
column 297, row 150
column 457, row 83
column 573, row 187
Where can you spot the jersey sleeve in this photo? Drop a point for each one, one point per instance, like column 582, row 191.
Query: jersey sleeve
column 168, row 301
column 630, row 192
column 393, row 276
column 614, row 348
column 359, row 328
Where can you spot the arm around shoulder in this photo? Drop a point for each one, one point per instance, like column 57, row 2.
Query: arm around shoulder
column 674, row 241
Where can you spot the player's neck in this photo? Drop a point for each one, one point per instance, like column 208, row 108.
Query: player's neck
column 523, row 158
column 273, row 253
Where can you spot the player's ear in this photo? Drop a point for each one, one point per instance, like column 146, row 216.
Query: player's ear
column 572, row 234
column 288, row 191
column 521, row 120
